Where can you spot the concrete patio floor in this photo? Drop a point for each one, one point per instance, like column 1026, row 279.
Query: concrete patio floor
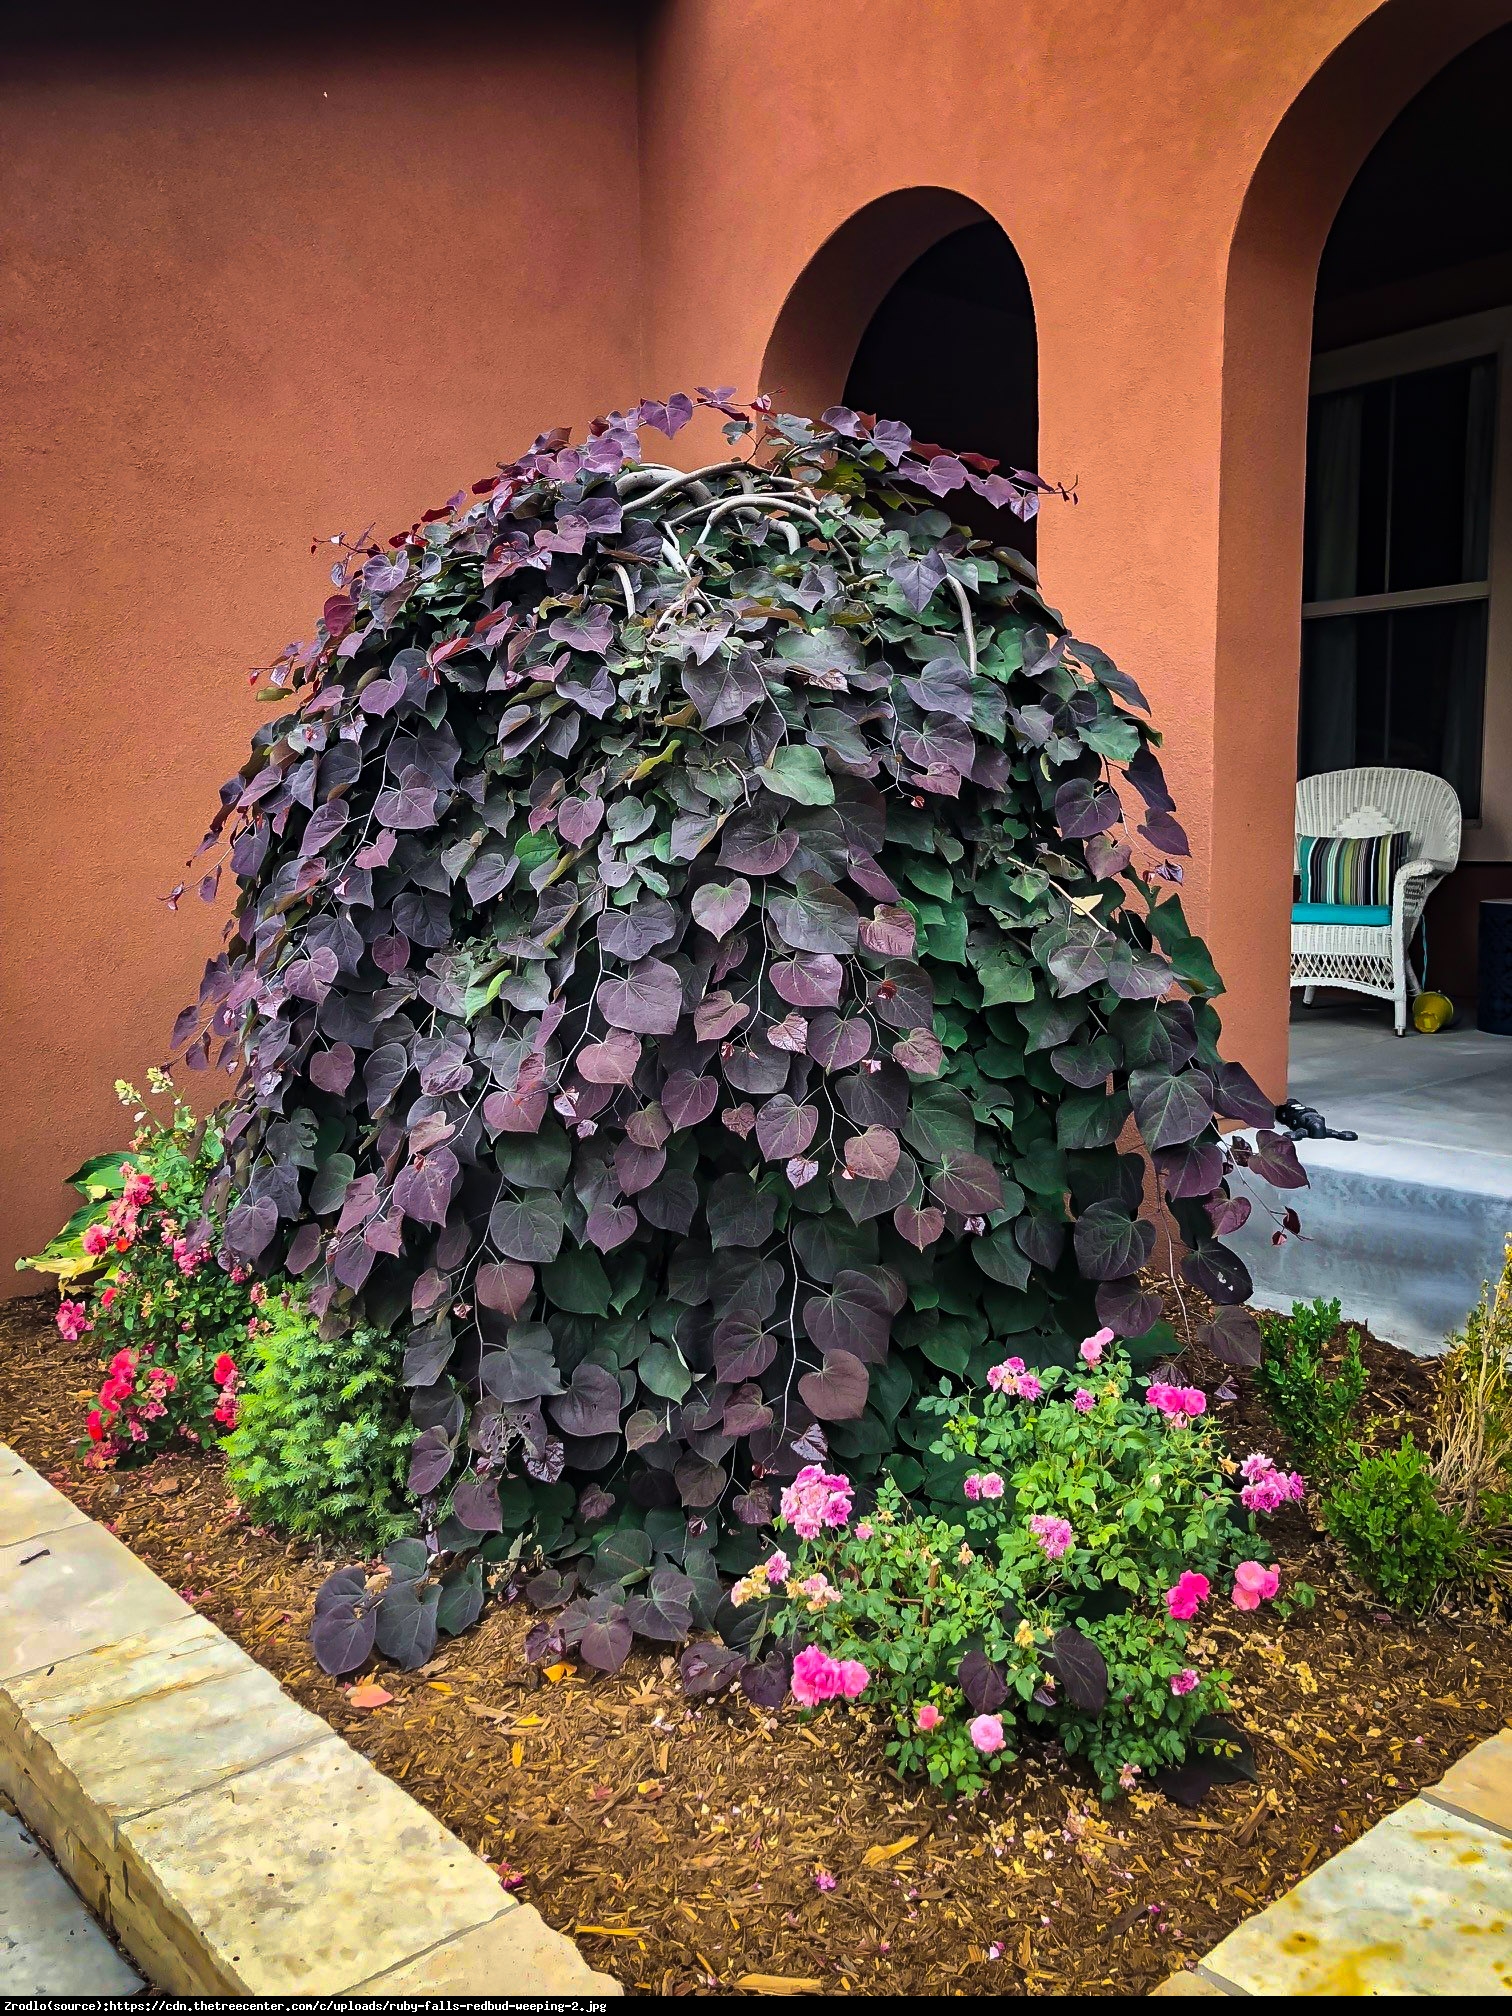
column 1403, row 1225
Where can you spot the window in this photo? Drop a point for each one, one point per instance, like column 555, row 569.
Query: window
column 1395, row 575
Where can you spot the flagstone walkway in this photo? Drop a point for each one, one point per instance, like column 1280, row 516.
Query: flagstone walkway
column 1419, row 1905
column 229, row 1839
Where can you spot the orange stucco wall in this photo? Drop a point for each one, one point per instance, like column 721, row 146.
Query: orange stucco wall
column 257, row 293
column 252, row 295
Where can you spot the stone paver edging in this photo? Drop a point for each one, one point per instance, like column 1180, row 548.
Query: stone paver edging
column 230, row 1840
column 1421, row 1904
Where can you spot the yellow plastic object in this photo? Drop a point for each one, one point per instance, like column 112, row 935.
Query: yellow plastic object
column 1432, row 1012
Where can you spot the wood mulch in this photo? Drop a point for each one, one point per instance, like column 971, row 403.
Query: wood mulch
column 683, row 1844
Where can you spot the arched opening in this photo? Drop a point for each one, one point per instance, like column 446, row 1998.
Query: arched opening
column 1407, row 546
column 918, row 308
column 1364, row 645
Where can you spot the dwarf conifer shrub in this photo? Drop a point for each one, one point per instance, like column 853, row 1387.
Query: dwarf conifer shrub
column 321, row 1445
column 700, row 939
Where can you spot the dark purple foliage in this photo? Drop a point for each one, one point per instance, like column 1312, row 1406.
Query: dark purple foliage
column 693, row 967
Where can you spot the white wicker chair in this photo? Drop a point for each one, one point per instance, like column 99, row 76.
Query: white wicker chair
column 1369, row 958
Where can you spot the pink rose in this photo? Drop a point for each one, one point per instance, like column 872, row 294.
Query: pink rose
column 853, row 1678
column 1093, row 1347
column 1184, row 1681
column 1085, row 1400
column 1054, row 1535
column 778, row 1568
column 992, row 1485
column 96, row 1240
column 72, row 1320
column 986, row 1733
column 1253, row 1585
column 1029, row 1388
column 927, row 1716
column 816, row 1677
column 816, row 1499
column 1191, row 1590
column 973, row 1487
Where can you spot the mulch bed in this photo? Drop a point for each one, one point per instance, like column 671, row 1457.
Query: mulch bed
column 679, row 1843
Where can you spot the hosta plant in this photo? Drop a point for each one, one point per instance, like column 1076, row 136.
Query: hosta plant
column 701, row 939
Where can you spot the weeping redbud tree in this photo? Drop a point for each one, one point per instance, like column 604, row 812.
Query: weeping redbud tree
column 702, row 939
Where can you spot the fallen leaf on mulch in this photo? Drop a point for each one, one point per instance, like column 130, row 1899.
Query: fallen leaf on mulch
column 369, row 1695
column 882, row 1852
column 780, row 1984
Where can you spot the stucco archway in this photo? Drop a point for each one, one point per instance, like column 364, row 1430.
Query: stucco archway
column 917, row 307
column 1300, row 181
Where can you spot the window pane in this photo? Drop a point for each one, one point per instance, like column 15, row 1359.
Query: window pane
column 1404, row 689
column 1438, row 666
column 1440, row 476
column 1343, row 707
column 1344, row 543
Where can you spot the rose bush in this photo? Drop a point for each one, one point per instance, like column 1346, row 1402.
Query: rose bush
column 1064, row 1591
column 138, row 1269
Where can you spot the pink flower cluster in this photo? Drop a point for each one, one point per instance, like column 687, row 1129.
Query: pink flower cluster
column 816, row 1499
column 1093, row 1347
column 817, row 1677
column 186, row 1256
column 1174, row 1401
column 777, row 1569
column 72, row 1320
column 819, row 1590
column 1013, row 1377
column 1253, row 1585
column 226, row 1376
column 123, row 1410
column 1085, row 1400
column 1054, row 1535
column 983, row 1485
column 1266, row 1488
column 139, row 1187
column 1190, row 1591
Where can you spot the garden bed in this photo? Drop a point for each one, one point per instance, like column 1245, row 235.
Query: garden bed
column 680, row 1843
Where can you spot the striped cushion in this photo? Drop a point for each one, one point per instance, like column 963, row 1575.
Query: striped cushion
column 1349, row 871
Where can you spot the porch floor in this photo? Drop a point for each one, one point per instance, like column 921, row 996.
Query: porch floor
column 1403, row 1225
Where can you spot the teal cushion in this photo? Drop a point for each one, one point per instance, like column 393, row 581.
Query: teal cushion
column 1341, row 913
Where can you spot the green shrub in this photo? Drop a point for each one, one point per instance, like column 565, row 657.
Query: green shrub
column 321, row 1448
column 1310, row 1399
column 1091, row 1522
column 1385, row 1514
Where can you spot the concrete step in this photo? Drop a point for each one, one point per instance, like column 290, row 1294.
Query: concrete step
column 1401, row 1233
